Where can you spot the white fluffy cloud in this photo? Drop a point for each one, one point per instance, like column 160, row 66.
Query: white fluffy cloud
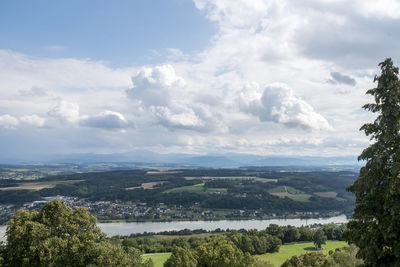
column 153, row 86
column 7, row 121
column 109, row 120
column 33, row 120
column 66, row 112
column 278, row 104
column 162, row 93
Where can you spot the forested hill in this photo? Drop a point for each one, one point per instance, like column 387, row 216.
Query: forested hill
column 256, row 189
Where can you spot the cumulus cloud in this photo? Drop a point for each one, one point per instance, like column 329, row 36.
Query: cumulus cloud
column 66, row 112
column 152, row 86
column 33, row 120
column 163, row 94
column 278, row 104
column 109, row 120
column 7, row 121
column 338, row 78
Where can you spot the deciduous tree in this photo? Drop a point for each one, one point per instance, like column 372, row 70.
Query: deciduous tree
column 60, row 236
column 375, row 227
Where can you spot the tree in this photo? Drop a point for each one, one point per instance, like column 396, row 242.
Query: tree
column 183, row 257
column 220, row 252
column 60, row 236
column 319, row 238
column 376, row 217
column 305, row 260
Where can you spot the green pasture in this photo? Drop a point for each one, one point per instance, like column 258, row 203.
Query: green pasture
column 197, row 188
column 291, row 192
column 158, row 258
column 287, row 251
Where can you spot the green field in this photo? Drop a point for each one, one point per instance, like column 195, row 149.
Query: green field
column 290, row 192
column 197, row 188
column 158, row 258
column 287, row 251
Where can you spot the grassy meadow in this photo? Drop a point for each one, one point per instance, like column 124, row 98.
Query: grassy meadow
column 285, row 252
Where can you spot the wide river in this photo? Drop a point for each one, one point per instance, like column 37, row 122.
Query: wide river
column 112, row 229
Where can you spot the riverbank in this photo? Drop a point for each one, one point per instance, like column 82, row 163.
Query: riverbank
column 241, row 218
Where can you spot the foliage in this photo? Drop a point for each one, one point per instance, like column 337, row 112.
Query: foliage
column 319, row 239
column 343, row 257
column 289, row 250
column 182, row 257
column 60, row 236
column 220, row 252
column 305, row 260
column 376, row 218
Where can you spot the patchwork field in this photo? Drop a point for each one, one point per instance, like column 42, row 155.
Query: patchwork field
column 198, row 188
column 146, row 185
column 290, row 192
column 258, row 179
column 36, row 186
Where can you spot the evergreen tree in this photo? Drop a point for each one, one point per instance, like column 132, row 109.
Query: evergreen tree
column 375, row 227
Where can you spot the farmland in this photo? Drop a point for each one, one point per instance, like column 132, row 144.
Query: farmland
column 193, row 194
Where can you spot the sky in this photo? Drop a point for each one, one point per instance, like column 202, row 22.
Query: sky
column 264, row 77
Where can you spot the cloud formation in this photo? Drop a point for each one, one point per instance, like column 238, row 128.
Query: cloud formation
column 108, row 120
column 153, row 86
column 33, row 120
column 8, row 122
column 338, row 78
column 66, row 112
column 277, row 103
column 211, row 101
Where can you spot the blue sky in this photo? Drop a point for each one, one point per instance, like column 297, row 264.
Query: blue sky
column 267, row 77
column 122, row 33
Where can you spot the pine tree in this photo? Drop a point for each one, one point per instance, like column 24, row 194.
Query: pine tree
column 375, row 227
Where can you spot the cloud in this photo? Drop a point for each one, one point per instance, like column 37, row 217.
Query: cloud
column 8, row 122
column 66, row 112
column 338, row 78
column 34, row 91
column 33, row 120
column 277, row 103
column 153, row 86
column 108, row 120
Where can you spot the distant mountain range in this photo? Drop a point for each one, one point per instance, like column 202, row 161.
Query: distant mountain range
column 223, row 160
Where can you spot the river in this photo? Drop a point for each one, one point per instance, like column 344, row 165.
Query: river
column 112, row 229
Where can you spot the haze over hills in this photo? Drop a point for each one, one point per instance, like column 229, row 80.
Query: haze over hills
column 180, row 159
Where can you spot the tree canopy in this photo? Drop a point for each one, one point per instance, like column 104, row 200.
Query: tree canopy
column 60, row 236
column 319, row 238
column 375, row 227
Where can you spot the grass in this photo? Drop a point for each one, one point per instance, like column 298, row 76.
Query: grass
column 158, row 258
column 287, row 251
column 197, row 188
column 290, row 192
